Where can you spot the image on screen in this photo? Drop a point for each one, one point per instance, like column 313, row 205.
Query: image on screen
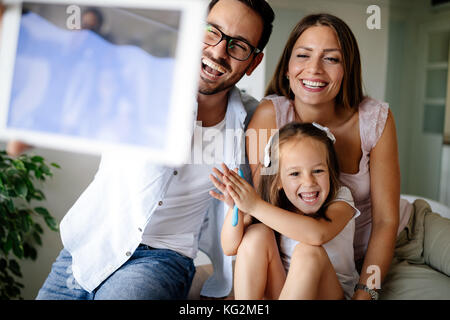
column 79, row 72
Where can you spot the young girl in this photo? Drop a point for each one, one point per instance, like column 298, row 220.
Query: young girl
column 314, row 249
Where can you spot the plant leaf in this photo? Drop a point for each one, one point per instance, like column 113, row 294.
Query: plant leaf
column 42, row 211
column 14, row 267
column 19, row 232
column 29, row 251
column 38, row 228
column 8, row 244
column 55, row 165
column 37, row 159
column 3, row 264
column 17, row 245
column 51, row 223
column 21, row 189
column 37, row 238
column 19, row 165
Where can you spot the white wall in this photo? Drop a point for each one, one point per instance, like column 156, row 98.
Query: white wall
column 255, row 83
column 420, row 161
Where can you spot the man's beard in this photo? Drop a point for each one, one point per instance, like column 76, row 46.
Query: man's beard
column 219, row 87
column 216, row 87
column 206, row 90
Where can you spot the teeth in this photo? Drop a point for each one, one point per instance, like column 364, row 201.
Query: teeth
column 314, row 84
column 213, row 66
column 309, row 196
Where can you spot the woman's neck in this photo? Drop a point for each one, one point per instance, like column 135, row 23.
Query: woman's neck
column 326, row 114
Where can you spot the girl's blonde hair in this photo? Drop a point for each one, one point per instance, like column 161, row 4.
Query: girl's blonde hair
column 268, row 185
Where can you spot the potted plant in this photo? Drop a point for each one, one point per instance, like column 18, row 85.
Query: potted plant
column 20, row 232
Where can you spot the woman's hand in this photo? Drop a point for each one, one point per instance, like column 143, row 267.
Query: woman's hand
column 219, row 184
column 361, row 295
column 242, row 193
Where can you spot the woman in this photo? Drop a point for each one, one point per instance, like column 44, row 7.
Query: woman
column 318, row 79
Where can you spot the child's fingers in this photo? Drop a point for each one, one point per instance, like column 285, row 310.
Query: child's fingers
column 218, row 173
column 229, row 182
column 233, row 194
column 217, row 183
column 235, row 178
column 227, row 172
column 225, row 168
column 216, row 195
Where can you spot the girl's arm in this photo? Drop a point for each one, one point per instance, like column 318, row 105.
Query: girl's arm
column 293, row 225
column 231, row 236
column 385, row 195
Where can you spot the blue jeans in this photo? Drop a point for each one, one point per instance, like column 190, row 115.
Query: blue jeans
column 149, row 274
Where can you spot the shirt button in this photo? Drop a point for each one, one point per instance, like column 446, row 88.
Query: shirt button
column 175, row 172
column 128, row 253
column 160, row 203
column 140, row 230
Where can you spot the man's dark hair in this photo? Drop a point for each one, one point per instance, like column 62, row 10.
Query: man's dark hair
column 266, row 13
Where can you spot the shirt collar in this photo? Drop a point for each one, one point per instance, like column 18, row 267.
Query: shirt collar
column 235, row 104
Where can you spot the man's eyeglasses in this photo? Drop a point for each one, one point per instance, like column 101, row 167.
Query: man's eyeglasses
column 236, row 48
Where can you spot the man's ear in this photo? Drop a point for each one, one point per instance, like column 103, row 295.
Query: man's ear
column 255, row 62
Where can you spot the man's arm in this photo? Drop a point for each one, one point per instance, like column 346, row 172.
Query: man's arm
column 15, row 148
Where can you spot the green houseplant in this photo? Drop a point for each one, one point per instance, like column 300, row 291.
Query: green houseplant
column 20, row 232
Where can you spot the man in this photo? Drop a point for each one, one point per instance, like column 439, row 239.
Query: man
column 135, row 230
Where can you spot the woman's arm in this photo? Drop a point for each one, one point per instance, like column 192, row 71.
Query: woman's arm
column 293, row 225
column 262, row 125
column 385, row 196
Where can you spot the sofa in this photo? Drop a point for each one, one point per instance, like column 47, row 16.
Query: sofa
column 405, row 281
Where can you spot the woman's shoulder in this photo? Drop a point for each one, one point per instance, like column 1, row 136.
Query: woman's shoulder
column 279, row 102
column 282, row 108
column 264, row 116
column 370, row 107
column 373, row 115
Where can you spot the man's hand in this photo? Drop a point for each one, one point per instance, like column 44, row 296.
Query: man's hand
column 15, row 148
column 219, row 184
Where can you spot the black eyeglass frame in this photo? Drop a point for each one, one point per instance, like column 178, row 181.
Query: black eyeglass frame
column 228, row 39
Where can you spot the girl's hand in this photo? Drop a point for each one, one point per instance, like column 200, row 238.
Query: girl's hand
column 242, row 193
column 225, row 196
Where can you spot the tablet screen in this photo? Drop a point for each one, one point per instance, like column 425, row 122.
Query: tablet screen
column 99, row 77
